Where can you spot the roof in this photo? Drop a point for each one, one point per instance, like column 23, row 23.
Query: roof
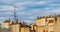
column 6, row 21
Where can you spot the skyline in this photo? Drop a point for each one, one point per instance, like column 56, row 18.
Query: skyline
column 28, row 10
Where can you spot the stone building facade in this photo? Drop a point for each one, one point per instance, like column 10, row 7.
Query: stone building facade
column 43, row 24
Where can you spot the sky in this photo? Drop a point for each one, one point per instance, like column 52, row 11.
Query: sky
column 28, row 10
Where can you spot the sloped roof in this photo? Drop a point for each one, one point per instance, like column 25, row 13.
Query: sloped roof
column 6, row 21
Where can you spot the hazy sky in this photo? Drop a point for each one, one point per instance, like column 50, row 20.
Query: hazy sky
column 28, row 10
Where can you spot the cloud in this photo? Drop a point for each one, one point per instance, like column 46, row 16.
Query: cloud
column 28, row 10
column 30, row 3
column 30, row 17
column 55, row 5
column 2, row 19
column 7, row 1
column 6, row 7
column 56, row 11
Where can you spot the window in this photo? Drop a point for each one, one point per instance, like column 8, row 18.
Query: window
column 43, row 30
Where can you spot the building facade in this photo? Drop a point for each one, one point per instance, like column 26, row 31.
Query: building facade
column 43, row 24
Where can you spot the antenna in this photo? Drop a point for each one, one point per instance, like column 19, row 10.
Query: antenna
column 15, row 17
column 9, row 19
